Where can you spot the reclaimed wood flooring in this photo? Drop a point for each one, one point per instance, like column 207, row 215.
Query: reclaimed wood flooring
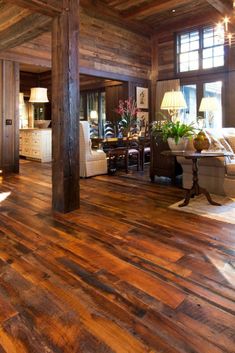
column 122, row 274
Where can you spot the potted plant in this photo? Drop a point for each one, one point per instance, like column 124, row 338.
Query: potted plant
column 175, row 133
column 127, row 109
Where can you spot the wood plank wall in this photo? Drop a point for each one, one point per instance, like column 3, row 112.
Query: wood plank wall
column 9, row 116
column 104, row 47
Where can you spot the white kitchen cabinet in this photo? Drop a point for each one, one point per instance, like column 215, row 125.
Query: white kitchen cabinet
column 36, row 144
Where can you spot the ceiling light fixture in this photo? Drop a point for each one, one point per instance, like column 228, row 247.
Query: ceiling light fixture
column 222, row 30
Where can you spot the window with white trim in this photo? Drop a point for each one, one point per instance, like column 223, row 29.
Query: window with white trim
column 200, row 49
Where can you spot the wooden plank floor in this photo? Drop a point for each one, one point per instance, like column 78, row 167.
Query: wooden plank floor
column 122, row 274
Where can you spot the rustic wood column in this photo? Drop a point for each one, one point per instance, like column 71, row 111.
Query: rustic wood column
column 65, row 108
column 9, row 116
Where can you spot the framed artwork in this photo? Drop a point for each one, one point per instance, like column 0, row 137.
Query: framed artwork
column 142, row 97
column 143, row 118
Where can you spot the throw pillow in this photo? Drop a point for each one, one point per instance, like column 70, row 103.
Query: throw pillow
column 231, row 141
column 215, row 144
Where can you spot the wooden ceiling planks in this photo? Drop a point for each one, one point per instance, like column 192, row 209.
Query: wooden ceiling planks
column 191, row 13
column 154, row 8
column 50, row 8
column 19, row 25
column 11, row 14
column 222, row 6
column 163, row 13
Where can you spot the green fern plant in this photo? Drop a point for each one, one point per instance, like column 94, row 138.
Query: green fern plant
column 175, row 130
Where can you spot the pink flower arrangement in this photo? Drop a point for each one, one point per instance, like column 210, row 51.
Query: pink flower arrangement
column 128, row 110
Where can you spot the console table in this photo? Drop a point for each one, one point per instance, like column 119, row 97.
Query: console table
column 196, row 189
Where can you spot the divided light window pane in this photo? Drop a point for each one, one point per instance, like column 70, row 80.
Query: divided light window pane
column 210, row 48
column 190, row 94
column 214, row 119
column 188, row 45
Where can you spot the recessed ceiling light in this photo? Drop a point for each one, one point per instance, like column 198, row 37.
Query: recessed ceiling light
column 173, row 10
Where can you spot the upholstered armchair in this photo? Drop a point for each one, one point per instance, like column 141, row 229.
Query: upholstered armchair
column 92, row 162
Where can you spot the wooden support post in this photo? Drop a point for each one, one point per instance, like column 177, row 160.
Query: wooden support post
column 9, row 116
column 65, row 108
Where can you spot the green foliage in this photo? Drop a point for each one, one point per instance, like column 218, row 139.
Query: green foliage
column 175, row 130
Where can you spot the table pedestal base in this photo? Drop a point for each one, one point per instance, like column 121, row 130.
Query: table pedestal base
column 196, row 189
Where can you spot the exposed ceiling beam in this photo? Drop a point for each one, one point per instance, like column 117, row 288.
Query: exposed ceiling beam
column 154, row 7
column 46, row 7
column 26, row 29
column 221, row 6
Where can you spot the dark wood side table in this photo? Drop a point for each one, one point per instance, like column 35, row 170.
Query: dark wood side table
column 196, row 189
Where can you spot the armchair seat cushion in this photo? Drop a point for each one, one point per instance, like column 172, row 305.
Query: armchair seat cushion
column 96, row 156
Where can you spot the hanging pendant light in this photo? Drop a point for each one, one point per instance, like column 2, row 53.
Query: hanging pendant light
column 38, row 95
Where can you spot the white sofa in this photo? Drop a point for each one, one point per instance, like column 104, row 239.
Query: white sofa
column 92, row 162
column 216, row 174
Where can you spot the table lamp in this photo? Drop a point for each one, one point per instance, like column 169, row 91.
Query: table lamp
column 209, row 105
column 38, row 95
column 173, row 101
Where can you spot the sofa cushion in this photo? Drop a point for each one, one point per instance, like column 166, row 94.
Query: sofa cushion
column 230, row 169
column 231, row 140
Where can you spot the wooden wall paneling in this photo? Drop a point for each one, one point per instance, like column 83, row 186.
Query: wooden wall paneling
column 154, row 77
column 9, row 116
column 113, row 49
column 106, row 50
column 44, row 79
column 166, row 57
column 28, row 80
column 65, row 108
column 112, row 96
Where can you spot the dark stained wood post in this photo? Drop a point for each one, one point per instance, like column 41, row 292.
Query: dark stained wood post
column 65, row 108
column 9, row 116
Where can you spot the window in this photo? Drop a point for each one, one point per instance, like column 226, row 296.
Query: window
column 200, row 49
column 92, row 108
column 190, row 95
column 213, row 119
column 193, row 93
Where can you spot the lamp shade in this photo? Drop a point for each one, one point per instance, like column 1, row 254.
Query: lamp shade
column 173, row 100
column 208, row 104
column 38, row 95
column 21, row 98
column 93, row 115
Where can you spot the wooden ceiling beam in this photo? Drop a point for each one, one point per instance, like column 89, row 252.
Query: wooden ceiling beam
column 154, row 7
column 49, row 8
column 24, row 30
column 221, row 6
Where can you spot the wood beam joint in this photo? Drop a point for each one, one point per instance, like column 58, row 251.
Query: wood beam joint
column 51, row 8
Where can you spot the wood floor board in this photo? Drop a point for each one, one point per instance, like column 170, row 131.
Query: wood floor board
column 123, row 274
